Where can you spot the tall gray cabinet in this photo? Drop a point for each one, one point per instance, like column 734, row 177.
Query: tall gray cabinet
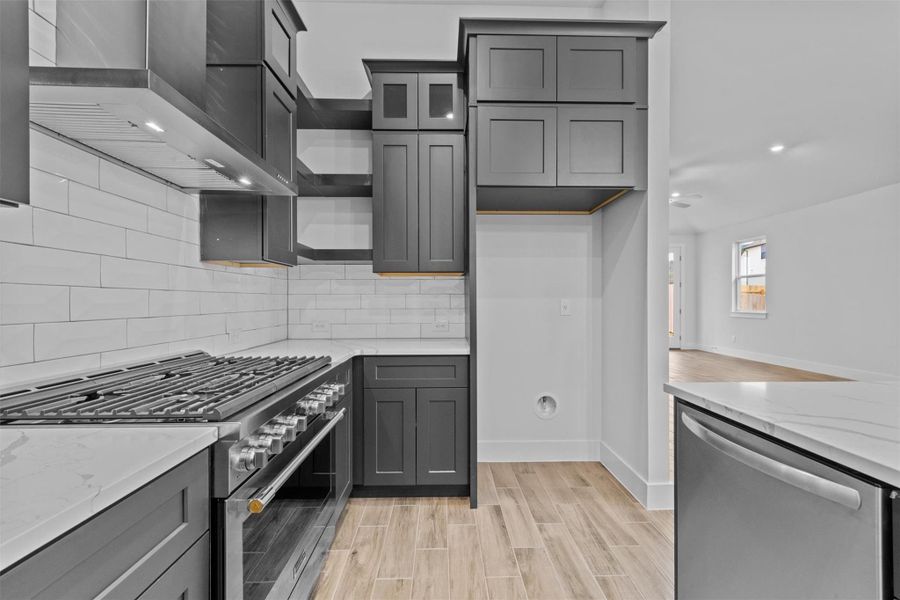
column 418, row 167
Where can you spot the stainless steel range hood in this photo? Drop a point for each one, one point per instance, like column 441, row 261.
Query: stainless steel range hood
column 130, row 83
column 120, row 112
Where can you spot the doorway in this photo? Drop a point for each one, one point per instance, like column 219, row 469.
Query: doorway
column 675, row 291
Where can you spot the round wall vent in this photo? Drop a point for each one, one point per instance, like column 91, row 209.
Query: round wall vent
column 545, row 407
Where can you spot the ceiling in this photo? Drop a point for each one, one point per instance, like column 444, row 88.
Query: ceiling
column 820, row 77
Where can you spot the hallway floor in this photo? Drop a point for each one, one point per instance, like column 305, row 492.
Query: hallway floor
column 541, row 531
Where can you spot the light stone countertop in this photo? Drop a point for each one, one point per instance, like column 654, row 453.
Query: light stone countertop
column 341, row 350
column 54, row 478
column 854, row 424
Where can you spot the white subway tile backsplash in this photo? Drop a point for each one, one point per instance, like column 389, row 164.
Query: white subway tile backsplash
column 412, row 315
column 16, row 224
column 132, row 355
column 297, row 301
column 458, row 301
column 328, row 316
column 42, row 36
column 107, row 303
column 191, row 279
column 56, row 230
column 59, row 158
column 433, row 301
column 453, row 315
column 306, row 331
column 40, row 371
column 430, row 330
column 155, row 330
column 170, row 303
column 48, row 191
column 360, row 272
column 46, row 9
column 349, row 286
column 36, row 60
column 96, row 205
column 390, row 301
column 145, row 246
column 397, row 286
column 16, row 344
column 321, row 271
column 33, row 303
column 126, row 273
column 369, row 315
column 173, row 226
column 246, row 321
column 313, row 286
column 443, row 286
column 355, row 331
column 217, row 302
column 398, row 330
column 33, row 264
column 179, row 203
column 124, row 182
column 338, row 301
column 58, row 340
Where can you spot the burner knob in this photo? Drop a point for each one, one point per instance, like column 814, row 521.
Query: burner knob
column 324, row 396
column 279, row 431
column 294, row 423
column 250, row 459
column 311, row 406
column 340, row 388
column 269, row 443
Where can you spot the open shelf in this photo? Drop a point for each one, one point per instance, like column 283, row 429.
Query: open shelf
column 308, row 255
column 332, row 185
column 331, row 113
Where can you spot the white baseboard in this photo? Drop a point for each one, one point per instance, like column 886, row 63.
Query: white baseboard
column 535, row 450
column 794, row 363
column 653, row 495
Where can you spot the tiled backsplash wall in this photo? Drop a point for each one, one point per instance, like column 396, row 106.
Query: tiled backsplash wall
column 104, row 267
column 349, row 301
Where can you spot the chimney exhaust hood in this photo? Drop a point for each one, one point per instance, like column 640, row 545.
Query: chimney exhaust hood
column 130, row 83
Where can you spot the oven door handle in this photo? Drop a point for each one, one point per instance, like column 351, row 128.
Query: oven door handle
column 264, row 495
column 814, row 484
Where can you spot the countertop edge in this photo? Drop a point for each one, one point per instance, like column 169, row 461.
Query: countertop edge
column 861, row 464
column 28, row 542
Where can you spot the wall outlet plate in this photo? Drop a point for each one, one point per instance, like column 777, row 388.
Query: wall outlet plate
column 442, row 325
column 565, row 307
column 320, row 326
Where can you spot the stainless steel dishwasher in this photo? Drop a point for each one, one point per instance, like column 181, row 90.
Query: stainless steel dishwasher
column 758, row 521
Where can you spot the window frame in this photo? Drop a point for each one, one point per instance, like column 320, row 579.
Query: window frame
column 736, row 276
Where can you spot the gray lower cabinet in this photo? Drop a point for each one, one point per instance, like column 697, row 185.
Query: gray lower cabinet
column 187, row 579
column 418, row 203
column 597, row 146
column 121, row 552
column 516, row 145
column 390, row 437
column 596, row 69
column 442, row 446
column 516, row 68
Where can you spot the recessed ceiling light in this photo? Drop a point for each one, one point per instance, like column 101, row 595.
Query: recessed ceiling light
column 214, row 163
column 449, row 115
column 244, row 181
column 154, row 127
column 776, row 148
column 674, row 194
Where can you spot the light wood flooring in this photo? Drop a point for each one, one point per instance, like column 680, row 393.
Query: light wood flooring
column 541, row 531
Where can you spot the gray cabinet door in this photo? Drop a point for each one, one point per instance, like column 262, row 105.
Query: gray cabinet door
column 441, row 203
column 123, row 550
column 187, row 579
column 441, row 104
column 280, row 128
column 416, row 371
column 280, row 230
column 516, row 68
column 516, row 146
column 596, row 69
column 395, row 101
column 395, row 206
column 281, row 42
column 442, row 440
column 597, row 146
column 390, row 437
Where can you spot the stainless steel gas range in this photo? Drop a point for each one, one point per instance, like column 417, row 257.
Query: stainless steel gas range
column 280, row 471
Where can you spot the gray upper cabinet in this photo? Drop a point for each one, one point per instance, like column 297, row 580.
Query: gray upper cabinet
column 395, row 206
column 395, row 101
column 596, row 146
column 596, row 69
column 390, row 437
column 516, row 68
column 248, row 229
column 516, row 145
column 14, row 132
column 442, row 440
column 441, row 203
column 441, row 103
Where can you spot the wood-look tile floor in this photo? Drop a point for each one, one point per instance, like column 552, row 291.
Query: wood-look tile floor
column 542, row 531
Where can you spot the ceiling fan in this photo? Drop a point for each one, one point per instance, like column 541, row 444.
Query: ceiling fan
column 679, row 200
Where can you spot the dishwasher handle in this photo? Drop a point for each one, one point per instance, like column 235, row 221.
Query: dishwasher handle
column 814, row 484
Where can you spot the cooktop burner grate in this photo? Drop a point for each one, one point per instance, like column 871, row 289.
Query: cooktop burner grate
column 195, row 387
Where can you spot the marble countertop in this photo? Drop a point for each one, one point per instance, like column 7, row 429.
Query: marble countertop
column 341, row 350
column 54, row 478
column 855, row 424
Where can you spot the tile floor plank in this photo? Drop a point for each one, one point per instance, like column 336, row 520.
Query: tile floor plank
column 378, row 512
column 358, row 578
column 432, row 578
column 466, row 563
column 459, row 512
column 504, row 476
column 613, row 532
column 537, row 498
column 400, row 542
column 506, row 588
column 644, row 574
column 392, row 589
column 331, row 574
column 619, row 587
column 598, row 555
column 541, row 582
column 576, row 578
column 432, row 525
column 556, row 486
column 487, row 491
column 347, row 527
column 499, row 559
column 520, row 523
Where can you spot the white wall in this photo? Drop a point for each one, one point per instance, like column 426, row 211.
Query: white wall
column 833, row 288
column 526, row 265
column 688, row 244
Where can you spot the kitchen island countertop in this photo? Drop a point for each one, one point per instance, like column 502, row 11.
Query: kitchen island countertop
column 853, row 424
column 341, row 350
column 54, row 478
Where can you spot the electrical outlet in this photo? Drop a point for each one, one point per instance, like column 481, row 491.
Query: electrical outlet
column 442, row 325
column 733, row 339
column 565, row 307
column 320, row 326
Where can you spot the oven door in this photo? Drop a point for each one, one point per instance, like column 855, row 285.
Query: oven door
column 272, row 523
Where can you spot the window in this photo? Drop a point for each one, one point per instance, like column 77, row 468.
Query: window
column 749, row 285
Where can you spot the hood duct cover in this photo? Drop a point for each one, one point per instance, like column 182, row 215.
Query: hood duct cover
column 108, row 110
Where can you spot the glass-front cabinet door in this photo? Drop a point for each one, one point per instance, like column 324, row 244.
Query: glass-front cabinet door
column 440, row 101
column 394, row 101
